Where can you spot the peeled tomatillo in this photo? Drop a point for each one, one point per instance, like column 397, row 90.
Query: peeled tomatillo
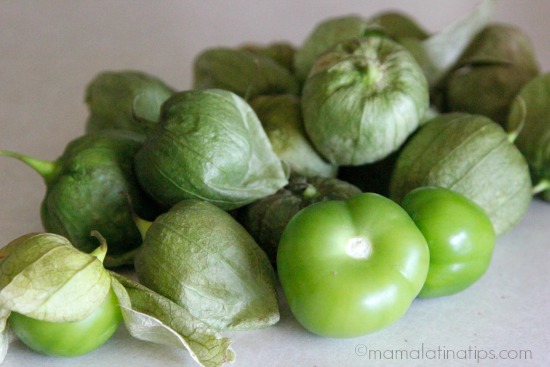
column 351, row 267
column 459, row 234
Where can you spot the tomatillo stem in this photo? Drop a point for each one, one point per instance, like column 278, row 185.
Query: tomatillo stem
column 512, row 135
column 543, row 185
column 101, row 251
column 310, row 192
column 141, row 224
column 47, row 169
column 359, row 248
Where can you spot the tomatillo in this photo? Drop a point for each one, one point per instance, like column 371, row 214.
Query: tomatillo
column 69, row 339
column 460, row 236
column 351, row 267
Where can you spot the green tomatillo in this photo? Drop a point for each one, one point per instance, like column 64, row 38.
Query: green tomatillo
column 460, row 236
column 69, row 339
column 57, row 299
column 351, row 267
column 84, row 189
column 362, row 99
column 124, row 99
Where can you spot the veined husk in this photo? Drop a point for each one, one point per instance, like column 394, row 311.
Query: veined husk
column 471, row 155
column 119, row 99
column 201, row 258
column 46, row 278
column 490, row 73
column 362, row 99
column 209, row 145
column 242, row 72
column 281, row 118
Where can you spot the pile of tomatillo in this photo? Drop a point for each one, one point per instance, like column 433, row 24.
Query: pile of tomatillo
column 371, row 165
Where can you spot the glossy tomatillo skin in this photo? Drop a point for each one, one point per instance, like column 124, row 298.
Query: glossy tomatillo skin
column 460, row 236
column 69, row 339
column 351, row 267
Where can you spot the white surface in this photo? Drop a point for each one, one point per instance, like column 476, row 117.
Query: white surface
column 49, row 50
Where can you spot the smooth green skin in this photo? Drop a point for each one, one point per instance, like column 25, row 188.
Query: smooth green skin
column 69, row 339
column 460, row 236
column 336, row 295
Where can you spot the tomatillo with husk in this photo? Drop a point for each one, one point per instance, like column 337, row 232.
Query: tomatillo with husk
column 85, row 190
column 201, row 258
column 529, row 119
column 472, row 155
column 209, row 145
column 125, row 99
column 490, row 73
column 362, row 99
column 59, row 299
column 281, row 118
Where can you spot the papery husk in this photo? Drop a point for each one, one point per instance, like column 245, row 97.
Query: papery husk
column 473, row 156
column 362, row 99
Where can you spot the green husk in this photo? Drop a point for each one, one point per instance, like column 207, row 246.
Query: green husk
column 209, row 146
column 362, row 100
column 280, row 52
column 471, row 155
column 85, row 190
column 281, row 118
column 121, row 99
column 530, row 117
column 438, row 53
column 244, row 73
column 399, row 25
column 201, row 258
column 490, row 73
column 154, row 318
column 324, row 36
column 46, row 278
